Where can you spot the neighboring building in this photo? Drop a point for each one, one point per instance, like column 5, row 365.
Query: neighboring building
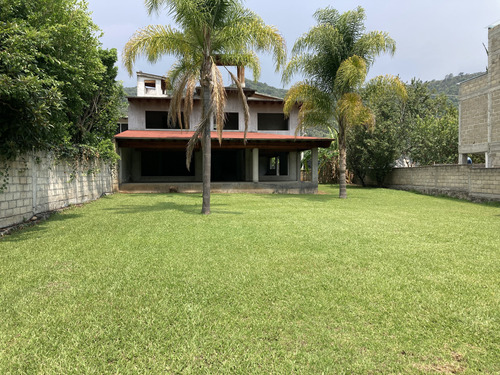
column 153, row 156
column 479, row 129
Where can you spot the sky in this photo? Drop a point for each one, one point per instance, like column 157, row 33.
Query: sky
column 433, row 37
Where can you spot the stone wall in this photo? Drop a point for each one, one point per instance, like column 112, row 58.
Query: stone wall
column 461, row 181
column 39, row 184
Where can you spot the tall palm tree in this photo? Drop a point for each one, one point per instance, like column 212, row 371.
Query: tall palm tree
column 334, row 58
column 211, row 33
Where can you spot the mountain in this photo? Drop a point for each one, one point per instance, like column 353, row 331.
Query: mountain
column 450, row 84
column 264, row 88
column 447, row 86
column 130, row 91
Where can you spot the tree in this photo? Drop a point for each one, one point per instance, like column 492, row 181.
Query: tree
column 211, row 33
column 435, row 136
column 334, row 57
column 57, row 85
column 418, row 128
column 429, row 130
column 373, row 151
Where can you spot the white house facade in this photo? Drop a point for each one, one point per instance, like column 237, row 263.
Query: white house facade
column 268, row 159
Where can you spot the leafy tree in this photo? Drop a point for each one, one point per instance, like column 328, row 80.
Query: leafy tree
column 421, row 130
column 435, row 136
column 430, row 127
column 371, row 151
column 57, row 86
column 334, row 57
column 211, row 33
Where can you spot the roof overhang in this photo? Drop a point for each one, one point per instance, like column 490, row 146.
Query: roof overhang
column 178, row 139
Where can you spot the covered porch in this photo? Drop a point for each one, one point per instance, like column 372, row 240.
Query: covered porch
column 154, row 161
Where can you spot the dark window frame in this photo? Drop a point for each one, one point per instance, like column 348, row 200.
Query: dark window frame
column 230, row 120
column 163, row 122
column 272, row 122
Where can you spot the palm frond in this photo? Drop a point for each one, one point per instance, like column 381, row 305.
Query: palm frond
column 218, row 97
column 350, row 75
column 175, row 110
column 245, row 31
column 315, row 106
column 153, row 42
column 353, row 112
column 373, row 44
column 193, row 141
column 188, row 100
column 244, row 103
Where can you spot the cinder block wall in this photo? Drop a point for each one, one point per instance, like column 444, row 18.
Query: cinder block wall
column 480, row 108
column 474, row 113
column 39, row 183
column 462, row 181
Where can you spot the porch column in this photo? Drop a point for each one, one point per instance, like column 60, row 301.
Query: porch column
column 255, row 165
column 298, row 165
column 314, row 165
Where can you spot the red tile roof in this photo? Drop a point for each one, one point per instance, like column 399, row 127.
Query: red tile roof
column 230, row 139
column 227, row 135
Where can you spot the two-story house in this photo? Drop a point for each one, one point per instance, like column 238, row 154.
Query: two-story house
column 153, row 155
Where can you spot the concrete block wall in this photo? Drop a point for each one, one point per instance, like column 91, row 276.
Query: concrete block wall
column 474, row 120
column 39, row 184
column 462, row 181
column 479, row 130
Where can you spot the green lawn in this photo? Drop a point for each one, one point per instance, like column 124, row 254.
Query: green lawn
column 383, row 282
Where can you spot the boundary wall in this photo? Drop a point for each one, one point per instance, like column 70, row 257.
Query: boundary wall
column 460, row 181
column 39, row 183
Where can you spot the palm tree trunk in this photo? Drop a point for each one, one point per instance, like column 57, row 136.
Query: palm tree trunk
column 206, row 146
column 342, row 161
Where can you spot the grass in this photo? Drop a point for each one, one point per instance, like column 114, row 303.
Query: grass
column 383, row 282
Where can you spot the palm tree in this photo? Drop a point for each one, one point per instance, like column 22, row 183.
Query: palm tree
column 334, row 57
column 211, row 33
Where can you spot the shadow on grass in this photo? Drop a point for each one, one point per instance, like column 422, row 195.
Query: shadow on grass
column 455, row 199
column 26, row 231
column 190, row 209
column 326, row 193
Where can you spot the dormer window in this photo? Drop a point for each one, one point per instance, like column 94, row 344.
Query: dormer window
column 150, row 86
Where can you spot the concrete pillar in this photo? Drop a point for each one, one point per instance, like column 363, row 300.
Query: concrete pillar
column 299, row 165
column 314, row 165
column 255, row 165
column 462, row 159
column 487, row 160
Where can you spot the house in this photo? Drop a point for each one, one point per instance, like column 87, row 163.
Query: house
column 479, row 108
column 153, row 155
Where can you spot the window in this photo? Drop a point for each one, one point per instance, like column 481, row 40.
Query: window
column 121, row 127
column 231, row 121
column 272, row 121
column 158, row 120
column 150, row 86
column 277, row 164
